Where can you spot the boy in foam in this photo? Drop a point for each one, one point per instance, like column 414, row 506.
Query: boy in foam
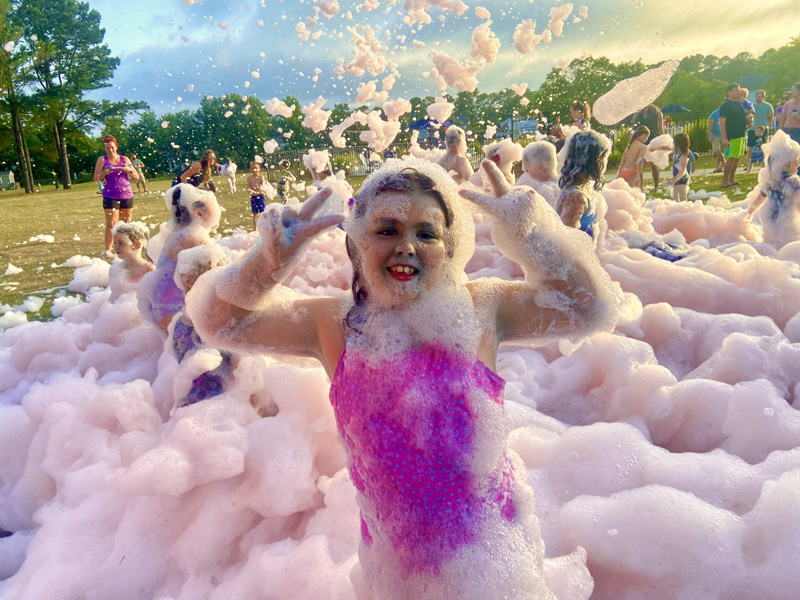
column 581, row 205
column 130, row 239
column 446, row 510
column 255, row 184
column 776, row 198
column 539, row 170
column 195, row 214
column 454, row 161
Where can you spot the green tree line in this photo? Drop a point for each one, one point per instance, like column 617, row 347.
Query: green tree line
column 52, row 54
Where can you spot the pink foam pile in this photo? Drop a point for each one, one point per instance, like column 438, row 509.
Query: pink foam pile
column 664, row 456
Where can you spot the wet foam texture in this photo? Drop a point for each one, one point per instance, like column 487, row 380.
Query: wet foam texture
column 664, row 456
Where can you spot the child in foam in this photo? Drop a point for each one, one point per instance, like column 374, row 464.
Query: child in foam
column 776, row 198
column 539, row 170
column 254, row 185
column 504, row 154
column 446, row 510
column 195, row 214
column 205, row 369
column 681, row 159
column 454, row 161
column 285, row 177
column 130, row 239
column 581, row 205
column 632, row 161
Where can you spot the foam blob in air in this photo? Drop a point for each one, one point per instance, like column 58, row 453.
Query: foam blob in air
column 278, row 107
column 633, row 94
column 449, row 72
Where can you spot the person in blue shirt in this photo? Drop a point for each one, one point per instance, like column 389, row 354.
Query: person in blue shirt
column 715, row 138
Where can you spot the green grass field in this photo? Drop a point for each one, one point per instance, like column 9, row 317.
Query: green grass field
column 75, row 219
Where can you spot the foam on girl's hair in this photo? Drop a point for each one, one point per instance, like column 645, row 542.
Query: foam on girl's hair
column 135, row 231
column 183, row 198
column 778, row 153
column 455, row 136
column 540, row 152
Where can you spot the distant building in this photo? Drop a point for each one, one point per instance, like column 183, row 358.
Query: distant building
column 521, row 127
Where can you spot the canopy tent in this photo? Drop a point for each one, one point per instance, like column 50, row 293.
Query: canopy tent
column 427, row 123
column 674, row 108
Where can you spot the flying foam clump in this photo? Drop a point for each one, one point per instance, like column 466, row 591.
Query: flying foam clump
column 276, row 107
column 316, row 118
column 631, row 95
column 440, row 110
column 448, row 72
column 525, row 37
column 418, row 9
column 485, row 45
column 558, row 15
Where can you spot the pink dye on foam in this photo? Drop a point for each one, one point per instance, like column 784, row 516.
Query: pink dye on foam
column 408, row 425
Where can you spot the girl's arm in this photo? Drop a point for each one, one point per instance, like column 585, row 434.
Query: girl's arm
column 681, row 169
column 565, row 289
column 244, row 306
column 571, row 209
column 465, row 168
column 99, row 172
column 193, row 169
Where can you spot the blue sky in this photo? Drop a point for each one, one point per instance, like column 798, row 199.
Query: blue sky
column 173, row 52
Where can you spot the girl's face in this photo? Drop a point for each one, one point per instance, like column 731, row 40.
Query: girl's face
column 124, row 247
column 642, row 138
column 575, row 114
column 403, row 253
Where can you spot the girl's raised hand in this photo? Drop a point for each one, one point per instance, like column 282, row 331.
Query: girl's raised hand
column 285, row 231
column 505, row 201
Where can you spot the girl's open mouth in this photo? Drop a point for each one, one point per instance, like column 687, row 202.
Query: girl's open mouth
column 403, row 272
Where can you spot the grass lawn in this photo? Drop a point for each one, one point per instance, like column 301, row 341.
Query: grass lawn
column 75, row 219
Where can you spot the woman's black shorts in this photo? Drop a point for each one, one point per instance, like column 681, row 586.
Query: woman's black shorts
column 113, row 204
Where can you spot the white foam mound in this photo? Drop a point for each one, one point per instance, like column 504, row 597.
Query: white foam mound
column 664, row 456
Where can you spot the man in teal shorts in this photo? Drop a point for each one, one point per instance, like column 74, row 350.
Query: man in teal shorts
column 732, row 127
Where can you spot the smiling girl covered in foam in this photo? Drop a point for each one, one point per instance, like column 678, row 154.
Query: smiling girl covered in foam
column 446, row 511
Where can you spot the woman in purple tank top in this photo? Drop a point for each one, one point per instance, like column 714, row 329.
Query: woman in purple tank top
column 114, row 172
column 446, row 510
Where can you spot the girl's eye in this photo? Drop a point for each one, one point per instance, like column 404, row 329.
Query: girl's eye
column 387, row 231
column 427, row 235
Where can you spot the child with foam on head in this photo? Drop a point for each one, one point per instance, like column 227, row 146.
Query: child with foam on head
column 455, row 161
column 195, row 214
column 204, row 371
column 776, row 198
column 130, row 240
column 539, row 162
column 446, row 511
column 681, row 161
column 285, row 177
column 255, row 183
column 504, row 154
column 581, row 206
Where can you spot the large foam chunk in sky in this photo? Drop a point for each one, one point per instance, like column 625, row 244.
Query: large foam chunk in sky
column 448, row 72
column 633, row 94
column 418, row 9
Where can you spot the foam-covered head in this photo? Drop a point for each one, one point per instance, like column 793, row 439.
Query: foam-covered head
column 504, row 152
column 587, row 156
column 455, row 136
column 780, row 152
column 538, row 157
column 193, row 262
column 136, row 232
column 189, row 205
column 414, row 202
